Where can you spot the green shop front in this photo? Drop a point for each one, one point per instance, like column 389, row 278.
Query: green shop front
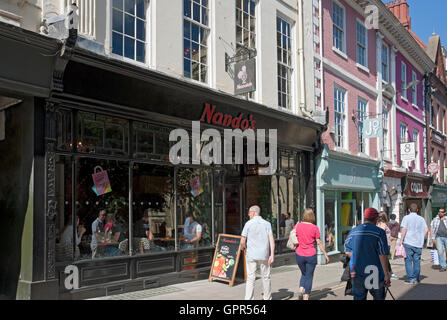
column 438, row 199
column 345, row 187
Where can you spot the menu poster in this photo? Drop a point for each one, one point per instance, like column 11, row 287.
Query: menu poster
column 226, row 259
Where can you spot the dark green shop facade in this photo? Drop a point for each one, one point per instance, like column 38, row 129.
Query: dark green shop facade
column 103, row 113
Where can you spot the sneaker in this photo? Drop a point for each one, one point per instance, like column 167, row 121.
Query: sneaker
column 443, row 270
column 410, row 281
column 394, row 277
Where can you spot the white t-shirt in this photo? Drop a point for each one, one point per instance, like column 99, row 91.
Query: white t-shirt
column 257, row 232
column 415, row 226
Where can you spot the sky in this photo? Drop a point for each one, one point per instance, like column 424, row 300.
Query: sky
column 428, row 16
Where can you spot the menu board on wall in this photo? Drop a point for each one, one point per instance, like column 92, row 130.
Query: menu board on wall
column 226, row 259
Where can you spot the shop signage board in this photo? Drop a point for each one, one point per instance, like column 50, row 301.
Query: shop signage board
column 416, row 188
column 433, row 168
column 226, row 259
column 408, row 151
column 372, row 128
column 245, row 77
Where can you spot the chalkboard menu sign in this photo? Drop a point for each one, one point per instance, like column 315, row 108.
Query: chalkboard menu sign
column 226, row 259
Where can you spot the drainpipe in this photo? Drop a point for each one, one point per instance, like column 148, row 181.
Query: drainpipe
column 302, row 102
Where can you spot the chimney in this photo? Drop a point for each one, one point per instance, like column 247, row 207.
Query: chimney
column 401, row 10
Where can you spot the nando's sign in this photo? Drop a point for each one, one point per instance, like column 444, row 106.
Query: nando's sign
column 241, row 121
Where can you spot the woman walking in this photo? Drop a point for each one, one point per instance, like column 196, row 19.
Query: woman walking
column 306, row 254
column 382, row 223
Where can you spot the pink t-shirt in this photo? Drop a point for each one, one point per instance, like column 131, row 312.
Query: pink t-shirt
column 306, row 234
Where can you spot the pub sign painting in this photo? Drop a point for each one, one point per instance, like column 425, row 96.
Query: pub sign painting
column 245, row 77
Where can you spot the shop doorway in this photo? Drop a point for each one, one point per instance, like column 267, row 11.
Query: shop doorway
column 233, row 202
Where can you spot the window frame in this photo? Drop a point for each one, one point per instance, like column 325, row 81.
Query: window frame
column 387, row 68
column 417, row 162
column 342, row 30
column 414, row 90
column 340, row 137
column 290, row 96
column 403, row 76
column 365, row 46
column 362, row 142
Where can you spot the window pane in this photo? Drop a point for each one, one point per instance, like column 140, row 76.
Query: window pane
column 140, row 9
column 203, row 36
column 195, row 32
column 129, row 25
column 129, row 48
column 118, row 4
column 203, row 55
column 141, row 30
column 196, row 12
column 187, row 68
column 195, row 51
column 129, row 6
column 204, row 16
column 187, row 49
column 187, row 8
column 195, row 70
column 186, row 29
column 141, row 51
column 117, row 21
column 117, row 43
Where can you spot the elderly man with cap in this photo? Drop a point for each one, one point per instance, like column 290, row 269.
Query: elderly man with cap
column 367, row 248
column 257, row 239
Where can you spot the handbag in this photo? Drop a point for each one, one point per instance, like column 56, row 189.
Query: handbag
column 434, row 257
column 292, row 243
column 400, row 251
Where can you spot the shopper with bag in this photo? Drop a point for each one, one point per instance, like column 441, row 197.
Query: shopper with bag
column 414, row 230
column 306, row 255
column 438, row 231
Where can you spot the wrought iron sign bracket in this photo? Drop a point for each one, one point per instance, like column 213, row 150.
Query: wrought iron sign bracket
column 236, row 58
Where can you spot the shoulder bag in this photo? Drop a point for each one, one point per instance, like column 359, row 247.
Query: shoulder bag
column 292, row 243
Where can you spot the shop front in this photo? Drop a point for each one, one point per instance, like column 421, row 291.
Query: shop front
column 392, row 193
column 110, row 124
column 438, row 199
column 416, row 189
column 346, row 186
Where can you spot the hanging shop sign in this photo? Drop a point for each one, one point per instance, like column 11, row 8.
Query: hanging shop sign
column 408, row 151
column 416, row 188
column 433, row 168
column 245, row 77
column 372, row 128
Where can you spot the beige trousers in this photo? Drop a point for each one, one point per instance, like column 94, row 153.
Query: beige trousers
column 252, row 266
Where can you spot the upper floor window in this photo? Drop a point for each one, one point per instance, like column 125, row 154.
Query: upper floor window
column 403, row 133
column 386, row 138
column 385, row 64
column 417, row 165
column 195, row 39
column 129, row 29
column 404, row 80
column 361, row 44
column 340, row 116
column 362, row 115
column 285, row 66
column 338, row 18
column 414, row 92
column 441, row 124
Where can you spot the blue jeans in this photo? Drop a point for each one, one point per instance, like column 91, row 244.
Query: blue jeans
column 441, row 244
column 413, row 262
column 307, row 266
column 360, row 292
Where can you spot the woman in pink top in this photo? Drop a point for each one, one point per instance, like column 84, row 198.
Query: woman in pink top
column 306, row 254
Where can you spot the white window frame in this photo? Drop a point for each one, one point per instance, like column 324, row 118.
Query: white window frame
column 365, row 141
column 148, row 40
column 344, row 133
column 417, row 162
column 341, row 52
column 386, row 132
column 385, row 46
column 362, row 66
column 414, row 90
column 404, row 91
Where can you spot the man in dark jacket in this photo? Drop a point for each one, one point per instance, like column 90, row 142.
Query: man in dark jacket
column 395, row 229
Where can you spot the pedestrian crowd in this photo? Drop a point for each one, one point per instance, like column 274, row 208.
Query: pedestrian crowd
column 368, row 250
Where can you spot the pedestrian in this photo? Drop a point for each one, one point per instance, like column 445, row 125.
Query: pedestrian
column 258, row 241
column 382, row 223
column 395, row 229
column 367, row 248
column 97, row 232
column 289, row 224
column 414, row 230
column 438, row 231
column 306, row 254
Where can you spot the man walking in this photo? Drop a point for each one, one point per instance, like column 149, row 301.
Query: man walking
column 367, row 248
column 414, row 230
column 257, row 239
column 439, row 235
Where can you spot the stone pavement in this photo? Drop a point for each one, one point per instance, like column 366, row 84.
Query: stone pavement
column 285, row 279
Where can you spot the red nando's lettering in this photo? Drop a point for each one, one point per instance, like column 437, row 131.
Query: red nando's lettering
column 227, row 120
column 229, row 241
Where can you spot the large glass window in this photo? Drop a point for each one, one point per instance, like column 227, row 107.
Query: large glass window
column 129, row 29
column 361, row 45
column 338, row 18
column 339, row 110
column 285, row 65
column 330, row 224
column 195, row 39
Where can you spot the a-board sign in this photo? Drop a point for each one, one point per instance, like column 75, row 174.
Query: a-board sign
column 227, row 257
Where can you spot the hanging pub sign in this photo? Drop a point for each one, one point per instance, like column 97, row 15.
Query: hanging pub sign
column 245, row 77
column 372, row 128
column 408, row 151
column 433, row 168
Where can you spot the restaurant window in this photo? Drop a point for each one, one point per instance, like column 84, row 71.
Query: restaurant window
column 362, row 44
column 385, row 63
column 339, row 110
column 285, row 65
column 330, row 224
column 151, row 142
column 362, row 116
column 338, row 18
column 246, row 28
column 194, row 198
column 64, row 129
column 195, row 39
column 153, row 208
column 129, row 29
column 102, row 193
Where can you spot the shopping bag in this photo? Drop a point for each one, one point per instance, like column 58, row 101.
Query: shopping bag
column 434, row 257
column 292, row 243
column 101, row 181
column 400, row 252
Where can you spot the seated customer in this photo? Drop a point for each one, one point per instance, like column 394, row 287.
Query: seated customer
column 117, row 236
column 142, row 233
column 97, row 232
column 67, row 237
column 192, row 231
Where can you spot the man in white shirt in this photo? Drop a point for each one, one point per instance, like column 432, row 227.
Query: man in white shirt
column 257, row 239
column 414, row 230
